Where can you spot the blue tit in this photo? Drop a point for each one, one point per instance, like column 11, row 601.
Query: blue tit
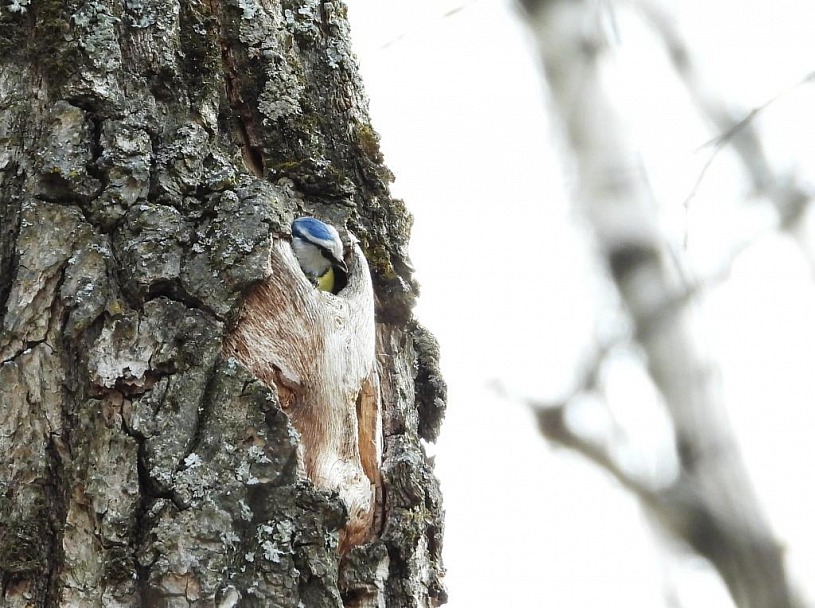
column 319, row 251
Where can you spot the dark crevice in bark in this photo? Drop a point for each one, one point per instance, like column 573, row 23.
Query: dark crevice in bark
column 10, row 216
column 153, row 169
column 27, row 346
column 252, row 156
column 97, row 150
column 382, row 507
column 56, row 491
column 242, row 115
column 149, row 493
column 141, row 528
column 353, row 597
column 172, row 290
column 59, row 190
column 58, row 460
column 149, row 488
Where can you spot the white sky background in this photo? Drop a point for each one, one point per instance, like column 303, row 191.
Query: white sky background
column 510, row 290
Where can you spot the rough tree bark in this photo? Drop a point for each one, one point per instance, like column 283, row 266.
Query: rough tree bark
column 152, row 157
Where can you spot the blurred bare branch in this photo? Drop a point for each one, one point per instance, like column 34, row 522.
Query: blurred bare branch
column 553, row 426
column 711, row 505
column 446, row 14
column 737, row 128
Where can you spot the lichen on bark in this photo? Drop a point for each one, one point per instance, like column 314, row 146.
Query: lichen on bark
column 150, row 154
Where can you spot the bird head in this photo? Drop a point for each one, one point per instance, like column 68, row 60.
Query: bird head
column 317, row 246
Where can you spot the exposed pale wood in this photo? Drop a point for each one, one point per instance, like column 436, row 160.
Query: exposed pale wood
column 319, row 349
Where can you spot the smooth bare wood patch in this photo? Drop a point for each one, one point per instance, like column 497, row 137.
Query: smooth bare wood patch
column 318, row 350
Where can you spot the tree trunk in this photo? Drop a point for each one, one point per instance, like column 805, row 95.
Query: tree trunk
column 162, row 442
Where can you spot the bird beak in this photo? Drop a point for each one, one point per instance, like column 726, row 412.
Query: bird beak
column 342, row 266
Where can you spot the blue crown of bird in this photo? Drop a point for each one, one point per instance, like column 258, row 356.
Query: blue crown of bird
column 319, row 251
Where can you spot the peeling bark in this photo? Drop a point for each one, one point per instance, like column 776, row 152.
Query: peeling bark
column 152, row 157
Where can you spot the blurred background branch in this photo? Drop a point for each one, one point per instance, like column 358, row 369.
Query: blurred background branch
column 710, row 504
column 643, row 278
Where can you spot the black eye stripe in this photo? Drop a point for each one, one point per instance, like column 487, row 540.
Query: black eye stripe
column 328, row 254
